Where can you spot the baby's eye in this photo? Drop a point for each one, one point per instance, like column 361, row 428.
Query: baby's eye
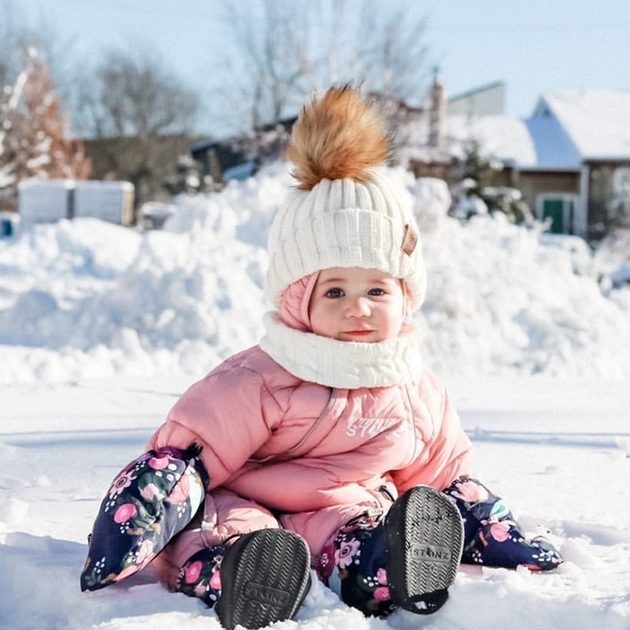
column 376, row 292
column 335, row 292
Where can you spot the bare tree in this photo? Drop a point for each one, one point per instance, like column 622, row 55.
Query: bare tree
column 268, row 61
column 138, row 118
column 134, row 95
column 280, row 50
column 393, row 50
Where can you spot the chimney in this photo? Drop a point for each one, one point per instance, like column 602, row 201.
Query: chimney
column 437, row 113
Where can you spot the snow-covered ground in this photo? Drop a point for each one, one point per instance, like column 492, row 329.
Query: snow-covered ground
column 558, row 450
column 101, row 328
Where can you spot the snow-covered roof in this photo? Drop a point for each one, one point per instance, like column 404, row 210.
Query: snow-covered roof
column 553, row 149
column 503, row 138
column 565, row 129
column 596, row 121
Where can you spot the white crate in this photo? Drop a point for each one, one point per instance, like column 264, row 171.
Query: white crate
column 109, row 201
column 44, row 201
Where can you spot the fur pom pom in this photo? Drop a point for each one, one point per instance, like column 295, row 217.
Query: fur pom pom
column 336, row 136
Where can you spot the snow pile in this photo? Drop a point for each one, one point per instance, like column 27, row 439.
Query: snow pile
column 86, row 298
column 499, row 301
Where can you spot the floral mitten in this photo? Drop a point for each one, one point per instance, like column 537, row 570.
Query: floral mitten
column 492, row 536
column 150, row 501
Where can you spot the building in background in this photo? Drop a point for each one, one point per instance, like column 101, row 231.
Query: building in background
column 580, row 178
column 570, row 159
column 241, row 156
column 487, row 100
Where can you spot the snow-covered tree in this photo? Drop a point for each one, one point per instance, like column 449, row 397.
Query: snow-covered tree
column 34, row 138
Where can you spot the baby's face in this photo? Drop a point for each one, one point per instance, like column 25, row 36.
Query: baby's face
column 355, row 304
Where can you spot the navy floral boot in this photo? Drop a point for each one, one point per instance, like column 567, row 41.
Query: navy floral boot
column 353, row 565
column 265, row 576
column 492, row 536
column 253, row 581
column 201, row 577
column 406, row 560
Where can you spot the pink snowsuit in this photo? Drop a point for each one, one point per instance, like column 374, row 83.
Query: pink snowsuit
column 285, row 452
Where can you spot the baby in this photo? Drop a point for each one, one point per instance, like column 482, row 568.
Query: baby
column 328, row 445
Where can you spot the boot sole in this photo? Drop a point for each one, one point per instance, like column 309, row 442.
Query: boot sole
column 425, row 535
column 264, row 578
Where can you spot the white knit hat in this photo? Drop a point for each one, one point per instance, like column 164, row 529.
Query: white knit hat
column 348, row 211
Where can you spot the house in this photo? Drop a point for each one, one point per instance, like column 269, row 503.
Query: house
column 148, row 162
column 570, row 158
column 581, row 177
column 241, row 156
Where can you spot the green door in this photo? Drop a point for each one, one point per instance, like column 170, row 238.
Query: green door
column 554, row 210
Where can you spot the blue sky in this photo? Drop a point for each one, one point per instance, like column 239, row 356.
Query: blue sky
column 533, row 45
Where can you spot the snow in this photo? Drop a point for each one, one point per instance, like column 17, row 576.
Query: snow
column 84, row 296
column 554, row 149
column 536, row 444
column 500, row 138
column 102, row 328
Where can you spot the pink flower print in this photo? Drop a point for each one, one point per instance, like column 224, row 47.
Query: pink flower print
column 345, row 553
column 381, row 594
column 215, row 580
column 470, row 491
column 193, row 571
column 151, row 492
column 180, row 491
column 125, row 512
column 381, row 577
column 500, row 531
column 326, row 566
column 120, row 483
column 159, row 463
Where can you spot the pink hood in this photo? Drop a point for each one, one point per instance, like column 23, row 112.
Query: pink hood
column 294, row 303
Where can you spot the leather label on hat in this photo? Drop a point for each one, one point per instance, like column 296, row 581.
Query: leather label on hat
column 410, row 240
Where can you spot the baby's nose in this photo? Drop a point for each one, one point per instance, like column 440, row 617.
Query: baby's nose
column 358, row 307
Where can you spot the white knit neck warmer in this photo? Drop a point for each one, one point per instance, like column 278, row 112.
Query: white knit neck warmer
column 342, row 364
